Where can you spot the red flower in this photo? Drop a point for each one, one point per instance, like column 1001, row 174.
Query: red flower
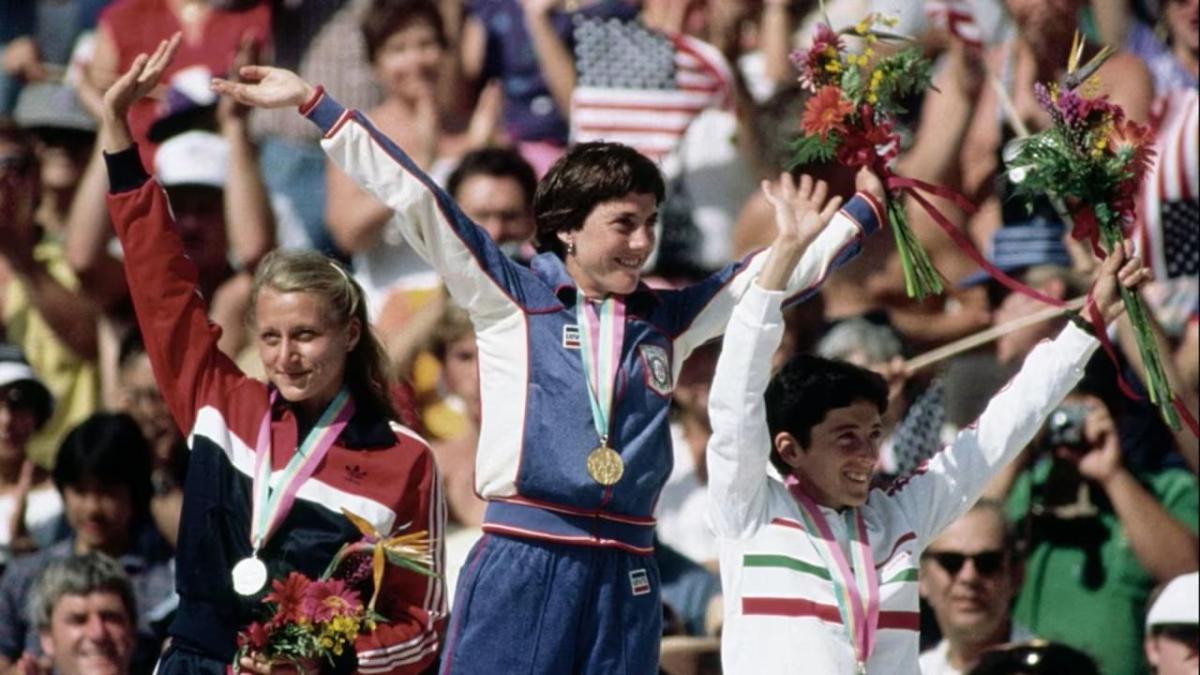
column 255, row 637
column 861, row 146
column 826, row 112
column 288, row 595
column 327, row 599
column 820, row 63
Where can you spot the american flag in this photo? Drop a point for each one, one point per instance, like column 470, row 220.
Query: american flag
column 641, row 87
column 1170, row 233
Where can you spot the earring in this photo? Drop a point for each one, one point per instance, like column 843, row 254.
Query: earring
column 571, row 247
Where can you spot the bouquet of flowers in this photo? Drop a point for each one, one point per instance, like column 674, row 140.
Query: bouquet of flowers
column 1093, row 158
column 317, row 619
column 851, row 116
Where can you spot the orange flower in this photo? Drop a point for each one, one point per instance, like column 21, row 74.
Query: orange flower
column 825, row 112
column 1135, row 139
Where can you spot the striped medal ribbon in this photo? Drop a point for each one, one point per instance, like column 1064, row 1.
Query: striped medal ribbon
column 857, row 589
column 272, row 493
column 601, row 335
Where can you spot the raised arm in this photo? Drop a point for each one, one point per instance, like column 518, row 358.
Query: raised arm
column 944, row 487
column 707, row 306
column 554, row 59
column 740, row 445
column 480, row 277
column 180, row 341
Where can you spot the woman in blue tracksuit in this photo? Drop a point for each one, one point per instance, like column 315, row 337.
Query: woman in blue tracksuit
column 574, row 444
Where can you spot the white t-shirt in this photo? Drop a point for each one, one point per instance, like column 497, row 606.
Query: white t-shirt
column 41, row 517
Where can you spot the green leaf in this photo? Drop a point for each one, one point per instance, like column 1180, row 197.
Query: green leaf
column 813, row 150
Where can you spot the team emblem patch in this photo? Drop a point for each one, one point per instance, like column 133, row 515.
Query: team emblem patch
column 639, row 581
column 570, row 336
column 658, row 368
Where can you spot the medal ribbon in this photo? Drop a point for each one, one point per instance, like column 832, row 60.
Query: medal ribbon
column 270, row 506
column 857, row 591
column 601, row 335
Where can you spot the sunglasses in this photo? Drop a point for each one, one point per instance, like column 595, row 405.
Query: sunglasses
column 987, row 563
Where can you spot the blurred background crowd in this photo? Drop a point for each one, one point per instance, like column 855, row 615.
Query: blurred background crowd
column 1059, row 561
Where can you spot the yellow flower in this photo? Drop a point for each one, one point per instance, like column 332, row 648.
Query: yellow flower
column 869, row 53
column 863, row 26
column 830, row 52
column 872, row 99
column 833, row 67
column 889, row 21
column 872, row 39
column 338, row 649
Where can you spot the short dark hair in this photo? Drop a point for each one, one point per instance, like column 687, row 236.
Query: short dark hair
column 79, row 575
column 110, row 449
column 497, row 163
column 587, row 175
column 807, row 387
column 385, row 18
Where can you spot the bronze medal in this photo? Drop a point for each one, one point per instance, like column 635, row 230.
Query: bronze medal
column 605, row 466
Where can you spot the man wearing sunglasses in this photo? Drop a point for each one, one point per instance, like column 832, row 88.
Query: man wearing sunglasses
column 969, row 575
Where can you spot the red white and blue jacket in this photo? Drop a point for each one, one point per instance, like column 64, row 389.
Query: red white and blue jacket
column 537, row 426
column 380, row 471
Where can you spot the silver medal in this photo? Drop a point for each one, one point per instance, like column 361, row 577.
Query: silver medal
column 249, row 576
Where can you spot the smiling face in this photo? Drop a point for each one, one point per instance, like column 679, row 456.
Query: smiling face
column 89, row 634
column 407, row 62
column 609, row 250
column 303, row 350
column 836, row 467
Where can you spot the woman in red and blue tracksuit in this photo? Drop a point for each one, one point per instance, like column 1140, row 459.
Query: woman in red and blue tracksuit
column 564, row 579
column 375, row 468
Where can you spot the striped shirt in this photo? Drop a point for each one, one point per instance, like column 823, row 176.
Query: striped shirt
column 641, row 87
column 780, row 608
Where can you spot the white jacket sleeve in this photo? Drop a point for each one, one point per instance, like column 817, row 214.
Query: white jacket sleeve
column 945, row 486
column 479, row 276
column 740, row 445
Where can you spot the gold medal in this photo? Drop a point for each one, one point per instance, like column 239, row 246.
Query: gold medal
column 605, row 466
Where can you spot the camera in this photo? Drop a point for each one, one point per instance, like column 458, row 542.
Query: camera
column 1064, row 427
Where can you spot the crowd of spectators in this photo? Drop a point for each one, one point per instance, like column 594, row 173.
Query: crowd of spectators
column 1058, row 564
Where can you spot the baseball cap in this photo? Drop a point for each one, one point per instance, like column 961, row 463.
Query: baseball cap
column 193, row 158
column 52, row 106
column 1177, row 603
column 17, row 376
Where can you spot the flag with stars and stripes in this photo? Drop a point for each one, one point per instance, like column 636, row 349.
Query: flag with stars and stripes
column 1171, row 192
column 641, row 87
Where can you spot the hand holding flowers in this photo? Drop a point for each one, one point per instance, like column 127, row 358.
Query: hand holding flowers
column 850, row 118
column 1093, row 158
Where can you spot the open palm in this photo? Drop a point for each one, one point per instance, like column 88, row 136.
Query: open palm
column 266, row 87
column 801, row 211
column 141, row 78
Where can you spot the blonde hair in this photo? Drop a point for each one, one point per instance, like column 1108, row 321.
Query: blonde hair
column 368, row 370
